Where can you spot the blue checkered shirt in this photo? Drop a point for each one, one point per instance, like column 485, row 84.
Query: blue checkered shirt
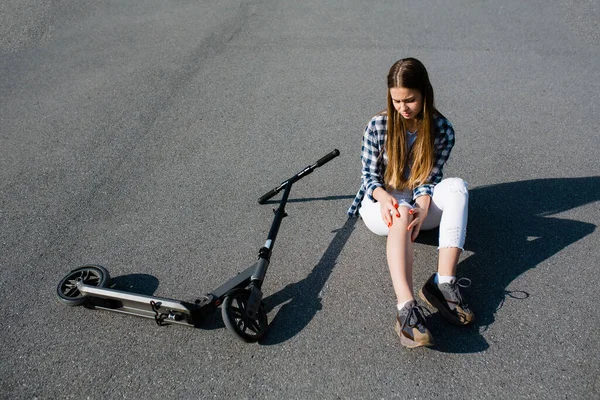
column 374, row 158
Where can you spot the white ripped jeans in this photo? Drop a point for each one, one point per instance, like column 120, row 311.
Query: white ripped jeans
column 448, row 210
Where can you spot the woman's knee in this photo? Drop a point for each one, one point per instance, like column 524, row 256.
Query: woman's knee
column 457, row 185
column 371, row 216
column 451, row 191
column 403, row 218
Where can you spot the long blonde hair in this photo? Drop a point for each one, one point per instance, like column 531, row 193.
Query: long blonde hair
column 409, row 73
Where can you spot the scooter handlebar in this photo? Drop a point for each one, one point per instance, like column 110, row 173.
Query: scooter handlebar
column 323, row 160
column 327, row 158
column 263, row 199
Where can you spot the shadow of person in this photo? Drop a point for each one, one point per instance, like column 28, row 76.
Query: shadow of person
column 304, row 297
column 510, row 231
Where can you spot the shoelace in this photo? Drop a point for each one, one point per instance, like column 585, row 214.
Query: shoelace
column 463, row 283
column 414, row 313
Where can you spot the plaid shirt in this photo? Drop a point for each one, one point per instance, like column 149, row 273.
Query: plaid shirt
column 374, row 158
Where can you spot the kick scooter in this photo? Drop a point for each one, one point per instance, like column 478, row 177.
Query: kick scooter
column 240, row 298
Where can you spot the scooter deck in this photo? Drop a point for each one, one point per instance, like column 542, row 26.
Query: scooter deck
column 163, row 310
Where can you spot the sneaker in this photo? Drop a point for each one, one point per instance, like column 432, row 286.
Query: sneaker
column 447, row 299
column 410, row 326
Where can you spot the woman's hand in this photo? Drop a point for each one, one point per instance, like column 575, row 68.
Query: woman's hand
column 387, row 204
column 419, row 213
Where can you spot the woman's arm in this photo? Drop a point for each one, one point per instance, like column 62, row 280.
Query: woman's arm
column 372, row 159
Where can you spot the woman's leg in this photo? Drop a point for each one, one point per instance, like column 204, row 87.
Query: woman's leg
column 400, row 255
column 448, row 260
column 450, row 205
column 399, row 246
column 410, row 322
column 449, row 211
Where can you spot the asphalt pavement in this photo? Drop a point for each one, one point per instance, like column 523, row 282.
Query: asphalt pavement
column 139, row 136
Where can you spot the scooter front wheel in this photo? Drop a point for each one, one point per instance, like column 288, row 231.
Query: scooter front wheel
column 92, row 275
column 233, row 311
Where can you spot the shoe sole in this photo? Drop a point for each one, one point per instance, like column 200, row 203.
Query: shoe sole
column 433, row 302
column 408, row 343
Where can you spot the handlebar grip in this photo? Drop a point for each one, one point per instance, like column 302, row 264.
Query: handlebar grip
column 327, row 158
column 263, row 199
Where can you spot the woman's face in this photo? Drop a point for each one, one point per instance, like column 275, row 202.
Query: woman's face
column 408, row 102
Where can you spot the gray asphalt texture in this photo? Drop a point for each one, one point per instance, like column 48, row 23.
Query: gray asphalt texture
column 139, row 135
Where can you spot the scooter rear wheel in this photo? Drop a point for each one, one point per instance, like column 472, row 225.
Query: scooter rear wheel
column 233, row 311
column 92, row 275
